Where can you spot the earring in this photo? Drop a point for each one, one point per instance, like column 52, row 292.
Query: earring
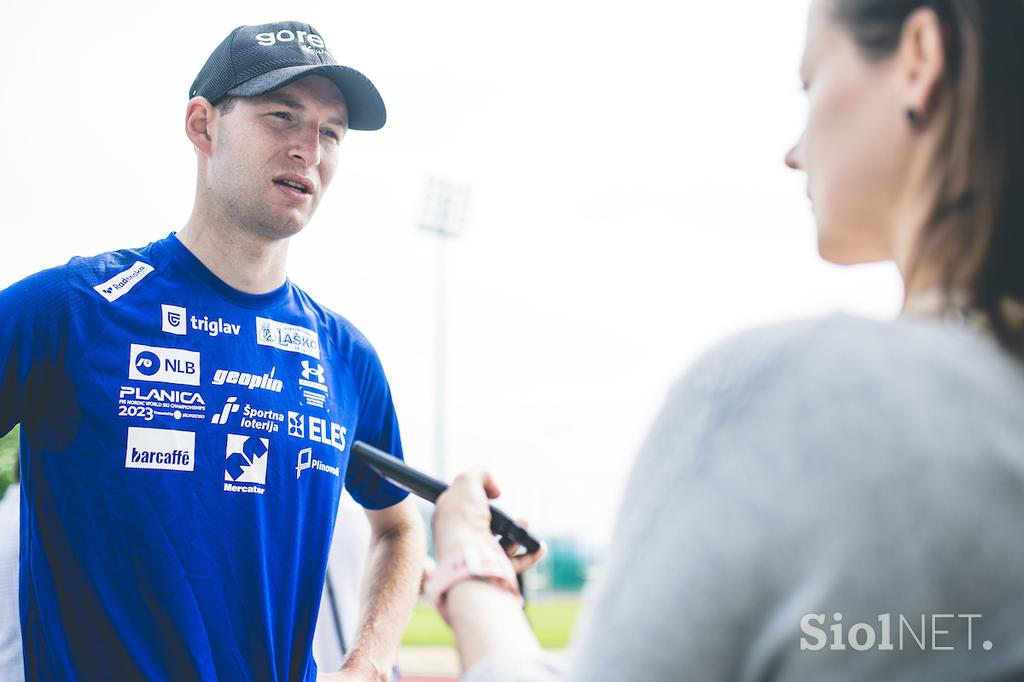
column 913, row 115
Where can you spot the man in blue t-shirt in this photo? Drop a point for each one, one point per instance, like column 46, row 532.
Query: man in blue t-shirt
column 187, row 411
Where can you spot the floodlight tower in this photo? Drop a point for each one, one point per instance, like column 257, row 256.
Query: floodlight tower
column 443, row 215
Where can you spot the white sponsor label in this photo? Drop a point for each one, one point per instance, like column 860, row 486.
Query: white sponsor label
column 121, row 283
column 287, row 337
column 160, row 449
column 245, row 461
column 171, row 365
column 174, row 318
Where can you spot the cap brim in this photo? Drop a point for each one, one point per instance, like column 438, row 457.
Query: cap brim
column 365, row 106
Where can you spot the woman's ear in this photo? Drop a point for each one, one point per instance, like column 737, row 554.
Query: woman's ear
column 922, row 61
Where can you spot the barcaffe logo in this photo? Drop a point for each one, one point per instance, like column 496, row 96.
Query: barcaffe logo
column 289, row 337
column 170, row 365
column 121, row 283
column 160, row 449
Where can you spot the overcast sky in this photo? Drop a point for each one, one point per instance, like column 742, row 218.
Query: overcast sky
column 630, row 205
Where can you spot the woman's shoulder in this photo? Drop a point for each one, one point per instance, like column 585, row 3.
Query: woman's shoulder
column 845, row 347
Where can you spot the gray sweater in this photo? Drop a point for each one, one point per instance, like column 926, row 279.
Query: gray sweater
column 831, row 466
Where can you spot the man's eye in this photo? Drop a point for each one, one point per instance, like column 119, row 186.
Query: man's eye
column 330, row 133
column 282, row 115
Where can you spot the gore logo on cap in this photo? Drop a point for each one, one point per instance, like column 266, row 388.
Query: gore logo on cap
column 287, row 36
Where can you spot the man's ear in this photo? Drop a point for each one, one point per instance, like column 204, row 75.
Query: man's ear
column 922, row 54
column 199, row 115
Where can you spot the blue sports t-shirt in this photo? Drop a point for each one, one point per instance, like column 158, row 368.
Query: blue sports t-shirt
column 183, row 450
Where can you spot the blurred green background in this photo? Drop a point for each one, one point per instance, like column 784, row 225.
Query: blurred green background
column 8, row 459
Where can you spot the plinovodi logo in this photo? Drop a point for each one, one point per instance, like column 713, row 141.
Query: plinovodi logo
column 170, row 365
column 245, row 464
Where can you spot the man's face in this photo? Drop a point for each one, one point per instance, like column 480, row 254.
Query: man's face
column 273, row 156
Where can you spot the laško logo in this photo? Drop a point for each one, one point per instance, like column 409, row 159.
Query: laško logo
column 287, row 337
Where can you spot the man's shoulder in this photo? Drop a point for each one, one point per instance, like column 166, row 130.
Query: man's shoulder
column 110, row 274
column 341, row 334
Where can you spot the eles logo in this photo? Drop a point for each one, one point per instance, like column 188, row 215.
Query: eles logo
column 170, row 365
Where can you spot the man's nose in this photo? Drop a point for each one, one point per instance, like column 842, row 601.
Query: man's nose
column 792, row 158
column 306, row 146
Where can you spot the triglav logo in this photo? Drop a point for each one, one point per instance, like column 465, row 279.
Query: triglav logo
column 252, row 381
column 252, row 418
column 173, row 319
column 314, row 388
column 121, row 283
column 320, row 430
column 245, row 461
column 171, row 365
column 160, row 449
column 287, row 337
column 307, row 461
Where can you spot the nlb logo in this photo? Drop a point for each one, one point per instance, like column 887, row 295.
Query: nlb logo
column 121, row 283
column 289, row 337
column 160, row 449
column 170, row 365
column 287, row 36
column 307, row 461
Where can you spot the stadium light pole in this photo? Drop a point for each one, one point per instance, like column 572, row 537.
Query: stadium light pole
column 444, row 216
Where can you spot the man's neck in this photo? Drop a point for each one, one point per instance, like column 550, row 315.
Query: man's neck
column 241, row 259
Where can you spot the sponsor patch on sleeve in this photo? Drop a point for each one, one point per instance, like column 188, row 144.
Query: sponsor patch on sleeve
column 121, row 283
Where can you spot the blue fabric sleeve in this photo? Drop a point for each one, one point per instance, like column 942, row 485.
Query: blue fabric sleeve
column 378, row 426
column 33, row 340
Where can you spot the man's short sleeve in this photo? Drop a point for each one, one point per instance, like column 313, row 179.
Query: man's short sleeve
column 378, row 426
column 32, row 338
